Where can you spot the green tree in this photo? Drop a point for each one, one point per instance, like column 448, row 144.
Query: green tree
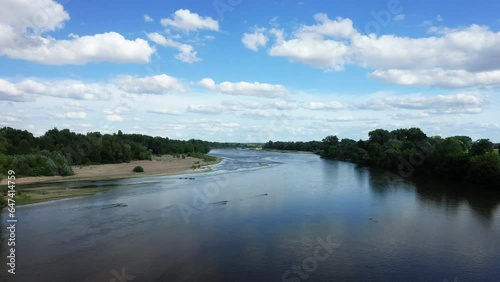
column 481, row 147
column 485, row 168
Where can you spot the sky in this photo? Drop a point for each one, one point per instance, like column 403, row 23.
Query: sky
column 251, row 71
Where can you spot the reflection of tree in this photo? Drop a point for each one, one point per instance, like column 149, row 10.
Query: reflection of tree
column 437, row 192
column 452, row 194
column 383, row 181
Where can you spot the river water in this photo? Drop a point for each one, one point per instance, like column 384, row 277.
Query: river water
column 262, row 216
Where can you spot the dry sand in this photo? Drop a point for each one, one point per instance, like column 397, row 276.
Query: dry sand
column 164, row 165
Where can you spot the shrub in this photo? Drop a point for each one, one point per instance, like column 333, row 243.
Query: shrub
column 138, row 169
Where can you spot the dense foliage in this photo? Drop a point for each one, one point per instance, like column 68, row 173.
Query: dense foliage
column 410, row 152
column 138, row 169
column 57, row 150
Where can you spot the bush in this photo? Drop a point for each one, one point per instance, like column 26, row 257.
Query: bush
column 138, row 169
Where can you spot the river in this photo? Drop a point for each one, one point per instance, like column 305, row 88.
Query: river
column 262, row 216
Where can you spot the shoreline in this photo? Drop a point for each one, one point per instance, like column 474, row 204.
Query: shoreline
column 165, row 165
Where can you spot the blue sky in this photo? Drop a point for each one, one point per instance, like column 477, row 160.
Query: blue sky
column 239, row 70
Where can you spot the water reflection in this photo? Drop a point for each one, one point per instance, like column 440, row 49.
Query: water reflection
column 450, row 195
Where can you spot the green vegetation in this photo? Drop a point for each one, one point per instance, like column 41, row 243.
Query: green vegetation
column 411, row 152
column 202, row 156
column 56, row 151
column 138, row 169
column 311, row 146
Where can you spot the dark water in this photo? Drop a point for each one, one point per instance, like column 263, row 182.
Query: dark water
column 262, row 216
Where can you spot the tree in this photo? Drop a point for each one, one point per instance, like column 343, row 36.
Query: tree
column 481, row 147
column 379, row 136
column 485, row 168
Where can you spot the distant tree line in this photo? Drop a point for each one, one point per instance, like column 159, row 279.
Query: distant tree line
column 311, row 146
column 57, row 150
column 411, row 152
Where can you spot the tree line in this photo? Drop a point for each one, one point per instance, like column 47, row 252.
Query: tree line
column 411, row 152
column 57, row 150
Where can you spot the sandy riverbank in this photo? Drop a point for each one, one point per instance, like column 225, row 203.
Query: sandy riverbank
column 162, row 165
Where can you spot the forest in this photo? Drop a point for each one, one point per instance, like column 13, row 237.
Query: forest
column 410, row 152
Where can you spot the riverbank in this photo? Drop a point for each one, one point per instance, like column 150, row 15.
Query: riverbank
column 158, row 166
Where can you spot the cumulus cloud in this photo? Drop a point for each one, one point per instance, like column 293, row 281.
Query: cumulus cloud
column 400, row 17
column 255, row 40
column 439, row 77
column 30, row 89
column 244, row 88
column 23, row 24
column 457, row 103
column 452, row 58
column 324, row 106
column 157, row 84
column 186, row 54
column 114, row 118
column 10, row 92
column 185, row 20
column 164, row 111
column 148, row 18
column 19, row 91
column 75, row 115
column 206, row 109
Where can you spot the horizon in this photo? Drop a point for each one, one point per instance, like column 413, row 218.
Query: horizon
column 221, row 71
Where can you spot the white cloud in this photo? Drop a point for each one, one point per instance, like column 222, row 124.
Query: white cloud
column 324, row 106
column 206, row 109
column 256, row 89
column 75, row 115
column 10, row 92
column 439, row 77
column 458, row 103
column 187, row 54
column 338, row 28
column 23, row 23
column 255, row 40
column 472, row 49
column 439, row 18
column 466, row 56
column 164, row 111
column 317, row 45
column 148, row 18
column 22, row 90
column 400, row 17
column 187, row 21
column 71, row 115
column 157, row 84
column 39, row 16
column 114, row 118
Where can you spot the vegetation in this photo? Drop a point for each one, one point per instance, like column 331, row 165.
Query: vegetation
column 411, row 152
column 311, row 146
column 138, row 169
column 202, row 156
column 57, row 150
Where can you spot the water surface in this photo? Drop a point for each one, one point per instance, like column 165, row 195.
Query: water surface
column 257, row 216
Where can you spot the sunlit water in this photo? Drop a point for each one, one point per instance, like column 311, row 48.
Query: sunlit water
column 262, row 216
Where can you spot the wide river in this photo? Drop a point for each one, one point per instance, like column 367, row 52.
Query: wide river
column 262, row 216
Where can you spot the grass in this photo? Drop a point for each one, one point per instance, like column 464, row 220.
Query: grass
column 38, row 195
column 202, row 156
